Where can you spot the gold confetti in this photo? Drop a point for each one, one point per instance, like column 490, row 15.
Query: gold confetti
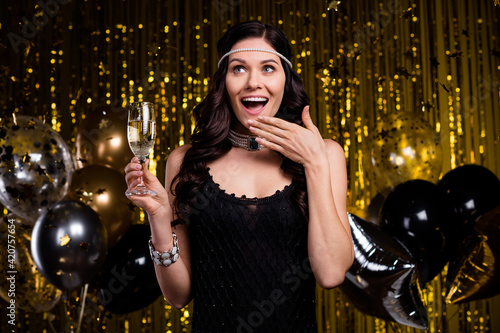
column 333, row 5
column 65, row 240
column 84, row 246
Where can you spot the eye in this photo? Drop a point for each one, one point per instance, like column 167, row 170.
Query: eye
column 268, row 69
column 238, row 69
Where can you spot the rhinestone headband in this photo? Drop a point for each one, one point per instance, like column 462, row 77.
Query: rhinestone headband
column 247, row 142
column 256, row 50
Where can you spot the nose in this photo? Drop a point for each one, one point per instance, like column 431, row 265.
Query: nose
column 254, row 80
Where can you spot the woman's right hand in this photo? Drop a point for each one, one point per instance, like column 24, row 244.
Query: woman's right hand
column 151, row 204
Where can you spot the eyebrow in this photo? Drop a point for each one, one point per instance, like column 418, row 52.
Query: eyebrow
column 262, row 62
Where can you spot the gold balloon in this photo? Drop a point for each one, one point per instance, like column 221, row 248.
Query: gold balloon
column 33, row 293
column 488, row 225
column 403, row 147
column 102, row 139
column 473, row 272
column 103, row 189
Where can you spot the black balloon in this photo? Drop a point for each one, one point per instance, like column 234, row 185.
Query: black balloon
column 68, row 244
column 127, row 281
column 473, row 190
column 383, row 280
column 418, row 214
column 375, row 206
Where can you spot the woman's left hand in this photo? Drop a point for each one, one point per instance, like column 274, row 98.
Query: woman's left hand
column 303, row 145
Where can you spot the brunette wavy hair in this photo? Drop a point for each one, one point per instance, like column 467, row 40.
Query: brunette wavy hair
column 214, row 117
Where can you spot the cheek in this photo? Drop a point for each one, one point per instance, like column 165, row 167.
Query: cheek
column 230, row 89
column 279, row 87
column 278, row 90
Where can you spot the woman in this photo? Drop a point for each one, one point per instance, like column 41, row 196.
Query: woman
column 255, row 204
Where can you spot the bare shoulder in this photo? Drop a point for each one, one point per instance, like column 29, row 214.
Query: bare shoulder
column 176, row 157
column 334, row 150
column 174, row 161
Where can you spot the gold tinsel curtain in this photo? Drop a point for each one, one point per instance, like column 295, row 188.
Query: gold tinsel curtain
column 360, row 60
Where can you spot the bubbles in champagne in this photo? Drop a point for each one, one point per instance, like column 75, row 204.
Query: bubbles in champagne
column 141, row 137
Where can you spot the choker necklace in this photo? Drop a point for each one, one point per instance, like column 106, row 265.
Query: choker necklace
column 247, row 142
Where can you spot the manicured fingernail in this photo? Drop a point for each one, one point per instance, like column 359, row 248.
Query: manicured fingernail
column 260, row 117
column 252, row 129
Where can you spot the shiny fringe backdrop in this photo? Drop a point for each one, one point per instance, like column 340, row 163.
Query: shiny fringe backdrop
column 360, row 61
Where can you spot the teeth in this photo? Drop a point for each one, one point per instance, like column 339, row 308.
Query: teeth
column 255, row 99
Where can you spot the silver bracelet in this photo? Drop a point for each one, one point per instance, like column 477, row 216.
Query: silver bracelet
column 165, row 258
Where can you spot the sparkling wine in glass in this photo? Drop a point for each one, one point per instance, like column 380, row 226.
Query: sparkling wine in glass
column 141, row 137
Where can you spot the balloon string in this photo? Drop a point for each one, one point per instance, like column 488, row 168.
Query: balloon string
column 83, row 297
column 67, row 310
column 52, row 326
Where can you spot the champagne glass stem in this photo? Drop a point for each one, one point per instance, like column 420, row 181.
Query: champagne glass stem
column 141, row 182
column 141, row 189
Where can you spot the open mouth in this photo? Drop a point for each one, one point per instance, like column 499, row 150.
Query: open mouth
column 254, row 104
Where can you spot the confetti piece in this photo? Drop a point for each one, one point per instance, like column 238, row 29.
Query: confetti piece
column 65, row 240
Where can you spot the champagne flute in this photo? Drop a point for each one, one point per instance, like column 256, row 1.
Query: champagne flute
column 141, row 137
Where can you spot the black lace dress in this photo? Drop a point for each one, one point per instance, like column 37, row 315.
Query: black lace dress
column 251, row 272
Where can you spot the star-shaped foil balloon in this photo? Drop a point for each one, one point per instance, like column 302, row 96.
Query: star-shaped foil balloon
column 383, row 280
column 474, row 269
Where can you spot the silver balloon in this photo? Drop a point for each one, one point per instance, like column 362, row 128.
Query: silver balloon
column 35, row 167
column 383, row 280
column 69, row 244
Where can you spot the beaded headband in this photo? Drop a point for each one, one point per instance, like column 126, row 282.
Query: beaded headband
column 257, row 50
